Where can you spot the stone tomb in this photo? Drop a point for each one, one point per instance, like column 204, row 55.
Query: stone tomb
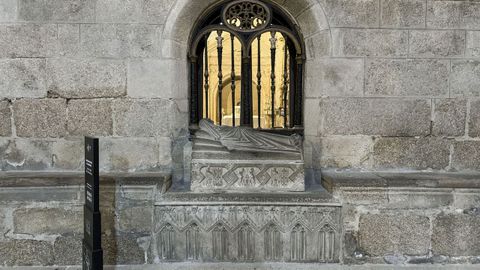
column 243, row 160
column 247, row 204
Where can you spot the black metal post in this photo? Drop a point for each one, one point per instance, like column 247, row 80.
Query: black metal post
column 92, row 239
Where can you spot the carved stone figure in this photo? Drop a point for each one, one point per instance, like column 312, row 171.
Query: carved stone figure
column 251, row 140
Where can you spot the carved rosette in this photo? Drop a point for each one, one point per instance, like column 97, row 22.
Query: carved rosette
column 246, row 16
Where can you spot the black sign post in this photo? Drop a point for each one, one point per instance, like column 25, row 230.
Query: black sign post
column 92, row 239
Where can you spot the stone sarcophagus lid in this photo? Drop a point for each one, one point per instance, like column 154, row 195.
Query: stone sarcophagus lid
column 242, row 159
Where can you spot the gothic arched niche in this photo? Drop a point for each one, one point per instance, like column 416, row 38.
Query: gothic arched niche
column 258, row 48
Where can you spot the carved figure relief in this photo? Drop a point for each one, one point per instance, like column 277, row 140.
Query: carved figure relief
column 251, row 140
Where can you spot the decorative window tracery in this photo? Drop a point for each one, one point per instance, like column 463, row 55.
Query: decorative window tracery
column 246, row 61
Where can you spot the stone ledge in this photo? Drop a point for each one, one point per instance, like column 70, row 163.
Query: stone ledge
column 334, row 180
column 258, row 266
column 283, row 198
column 75, row 178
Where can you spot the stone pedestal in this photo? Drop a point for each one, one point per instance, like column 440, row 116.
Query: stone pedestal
column 281, row 227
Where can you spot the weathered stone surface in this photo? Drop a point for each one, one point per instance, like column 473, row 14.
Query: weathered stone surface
column 474, row 124
column 135, row 219
column 296, row 7
column 27, row 40
column 359, row 13
column 456, row 235
column 449, row 117
column 86, row 78
column 431, row 43
column 253, row 233
column 363, row 196
column 466, row 155
column 67, row 43
column 129, row 154
column 148, row 11
column 334, row 77
column 40, row 117
column 374, row 116
column 312, row 109
column 466, row 198
column 25, row 154
column 143, row 118
column 23, row 78
column 8, row 10
column 26, row 253
column 144, row 80
column 312, row 19
column 122, row 249
column 346, row 151
column 48, row 221
column 119, row 40
column 41, row 194
column 41, row 154
column 57, row 10
column 68, row 250
column 473, row 43
column 453, row 14
column 90, row 117
column 413, row 77
column 369, row 42
column 411, row 153
column 403, row 13
column 465, row 78
column 396, row 233
column 318, row 45
column 65, row 154
column 5, row 119
column 417, row 198
column 3, row 223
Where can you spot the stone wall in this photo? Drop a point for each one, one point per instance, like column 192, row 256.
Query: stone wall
column 408, row 218
column 41, row 219
column 389, row 84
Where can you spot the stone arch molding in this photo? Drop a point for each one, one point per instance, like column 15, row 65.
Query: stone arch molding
column 308, row 14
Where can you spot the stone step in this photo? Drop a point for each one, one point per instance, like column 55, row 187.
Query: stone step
column 278, row 227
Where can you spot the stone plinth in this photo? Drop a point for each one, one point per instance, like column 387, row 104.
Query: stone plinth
column 281, row 227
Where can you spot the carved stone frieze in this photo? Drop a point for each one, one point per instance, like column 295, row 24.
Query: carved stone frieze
column 242, row 233
column 247, row 176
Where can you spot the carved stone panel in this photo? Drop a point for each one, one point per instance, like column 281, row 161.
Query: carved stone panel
column 247, row 176
column 247, row 233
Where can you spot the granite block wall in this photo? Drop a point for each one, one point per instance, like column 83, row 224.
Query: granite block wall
column 382, row 77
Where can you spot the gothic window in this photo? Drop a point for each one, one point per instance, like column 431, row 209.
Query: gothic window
column 247, row 68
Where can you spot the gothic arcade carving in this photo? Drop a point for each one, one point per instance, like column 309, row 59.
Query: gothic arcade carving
column 248, row 233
